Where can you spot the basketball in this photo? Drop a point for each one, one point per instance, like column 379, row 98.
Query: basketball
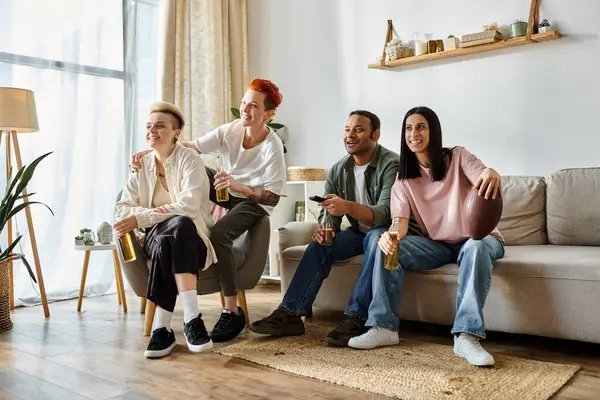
column 482, row 215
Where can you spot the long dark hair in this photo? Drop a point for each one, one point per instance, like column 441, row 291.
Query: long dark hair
column 439, row 156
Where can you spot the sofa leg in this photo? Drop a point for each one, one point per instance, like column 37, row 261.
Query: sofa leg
column 142, row 305
column 242, row 302
column 222, row 299
column 150, row 309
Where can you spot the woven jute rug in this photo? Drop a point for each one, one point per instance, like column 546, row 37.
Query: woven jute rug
column 411, row 370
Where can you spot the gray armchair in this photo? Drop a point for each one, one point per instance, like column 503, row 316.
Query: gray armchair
column 251, row 255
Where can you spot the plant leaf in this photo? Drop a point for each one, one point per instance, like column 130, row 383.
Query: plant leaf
column 276, row 126
column 29, row 170
column 25, row 174
column 22, row 258
column 269, row 121
column 25, row 196
column 6, row 252
column 15, row 180
column 21, row 206
column 8, row 179
column 11, row 184
column 235, row 112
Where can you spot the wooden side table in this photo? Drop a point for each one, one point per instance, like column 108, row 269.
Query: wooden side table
column 118, row 274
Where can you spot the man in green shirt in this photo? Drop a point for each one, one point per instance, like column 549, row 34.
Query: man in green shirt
column 358, row 187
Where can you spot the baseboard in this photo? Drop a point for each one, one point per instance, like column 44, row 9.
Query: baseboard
column 269, row 280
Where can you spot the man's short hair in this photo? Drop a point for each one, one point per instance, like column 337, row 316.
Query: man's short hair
column 374, row 119
column 169, row 108
column 269, row 89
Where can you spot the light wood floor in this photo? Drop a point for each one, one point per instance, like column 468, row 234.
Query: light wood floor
column 98, row 354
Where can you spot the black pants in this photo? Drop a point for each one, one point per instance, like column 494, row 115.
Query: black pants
column 173, row 247
column 242, row 214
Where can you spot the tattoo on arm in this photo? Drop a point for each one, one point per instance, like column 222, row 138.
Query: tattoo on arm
column 265, row 197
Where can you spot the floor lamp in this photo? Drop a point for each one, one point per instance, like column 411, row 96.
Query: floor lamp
column 18, row 114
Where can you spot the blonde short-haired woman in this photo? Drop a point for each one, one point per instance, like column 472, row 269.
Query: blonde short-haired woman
column 168, row 198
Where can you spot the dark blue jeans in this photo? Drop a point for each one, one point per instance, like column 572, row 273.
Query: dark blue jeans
column 315, row 266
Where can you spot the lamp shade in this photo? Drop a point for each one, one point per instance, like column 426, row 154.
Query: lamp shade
column 17, row 110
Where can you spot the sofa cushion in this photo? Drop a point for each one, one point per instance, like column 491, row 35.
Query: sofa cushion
column 540, row 261
column 523, row 219
column 543, row 261
column 573, row 207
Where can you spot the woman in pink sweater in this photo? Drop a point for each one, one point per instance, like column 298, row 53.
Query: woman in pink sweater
column 432, row 185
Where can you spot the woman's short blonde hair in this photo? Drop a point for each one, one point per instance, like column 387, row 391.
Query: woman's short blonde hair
column 169, row 108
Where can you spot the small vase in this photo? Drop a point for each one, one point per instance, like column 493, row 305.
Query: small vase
column 518, row 29
column 545, row 29
column 88, row 238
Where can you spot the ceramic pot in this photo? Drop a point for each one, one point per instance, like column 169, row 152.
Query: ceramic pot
column 518, row 29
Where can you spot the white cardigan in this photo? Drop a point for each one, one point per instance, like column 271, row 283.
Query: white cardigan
column 188, row 189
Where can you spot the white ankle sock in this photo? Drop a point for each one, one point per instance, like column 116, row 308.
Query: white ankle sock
column 189, row 301
column 162, row 319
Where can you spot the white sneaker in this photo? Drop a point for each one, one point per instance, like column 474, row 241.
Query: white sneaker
column 467, row 346
column 374, row 337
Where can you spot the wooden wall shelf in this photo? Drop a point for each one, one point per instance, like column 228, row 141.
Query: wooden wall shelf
column 502, row 44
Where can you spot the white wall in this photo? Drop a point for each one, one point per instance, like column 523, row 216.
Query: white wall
column 527, row 110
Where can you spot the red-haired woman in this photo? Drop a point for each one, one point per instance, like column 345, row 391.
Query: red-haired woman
column 255, row 176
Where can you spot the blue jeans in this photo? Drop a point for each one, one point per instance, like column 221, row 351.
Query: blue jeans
column 475, row 259
column 316, row 264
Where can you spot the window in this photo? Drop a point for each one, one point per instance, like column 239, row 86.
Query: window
column 71, row 54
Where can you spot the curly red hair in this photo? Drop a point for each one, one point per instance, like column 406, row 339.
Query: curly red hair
column 270, row 90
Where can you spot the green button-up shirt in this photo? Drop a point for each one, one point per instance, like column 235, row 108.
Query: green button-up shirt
column 380, row 175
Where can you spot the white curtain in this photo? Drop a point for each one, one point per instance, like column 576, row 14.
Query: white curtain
column 142, row 39
column 70, row 53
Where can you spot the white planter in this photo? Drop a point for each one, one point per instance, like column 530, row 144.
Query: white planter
column 545, row 29
column 451, row 44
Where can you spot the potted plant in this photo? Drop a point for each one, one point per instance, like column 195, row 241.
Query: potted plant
column 78, row 240
column 544, row 26
column 451, row 43
column 8, row 209
column 273, row 125
column 88, row 238
column 518, row 28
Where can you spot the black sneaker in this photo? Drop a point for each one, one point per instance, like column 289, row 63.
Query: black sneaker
column 228, row 326
column 281, row 322
column 196, row 335
column 161, row 343
column 351, row 326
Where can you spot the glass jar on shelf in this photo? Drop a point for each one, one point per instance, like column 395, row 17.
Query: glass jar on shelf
column 422, row 43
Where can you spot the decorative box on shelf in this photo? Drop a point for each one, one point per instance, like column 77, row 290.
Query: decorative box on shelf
column 305, row 174
column 475, row 39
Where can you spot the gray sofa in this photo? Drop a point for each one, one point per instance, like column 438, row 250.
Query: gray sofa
column 548, row 283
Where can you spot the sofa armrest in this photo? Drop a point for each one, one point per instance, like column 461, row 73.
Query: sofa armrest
column 295, row 234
